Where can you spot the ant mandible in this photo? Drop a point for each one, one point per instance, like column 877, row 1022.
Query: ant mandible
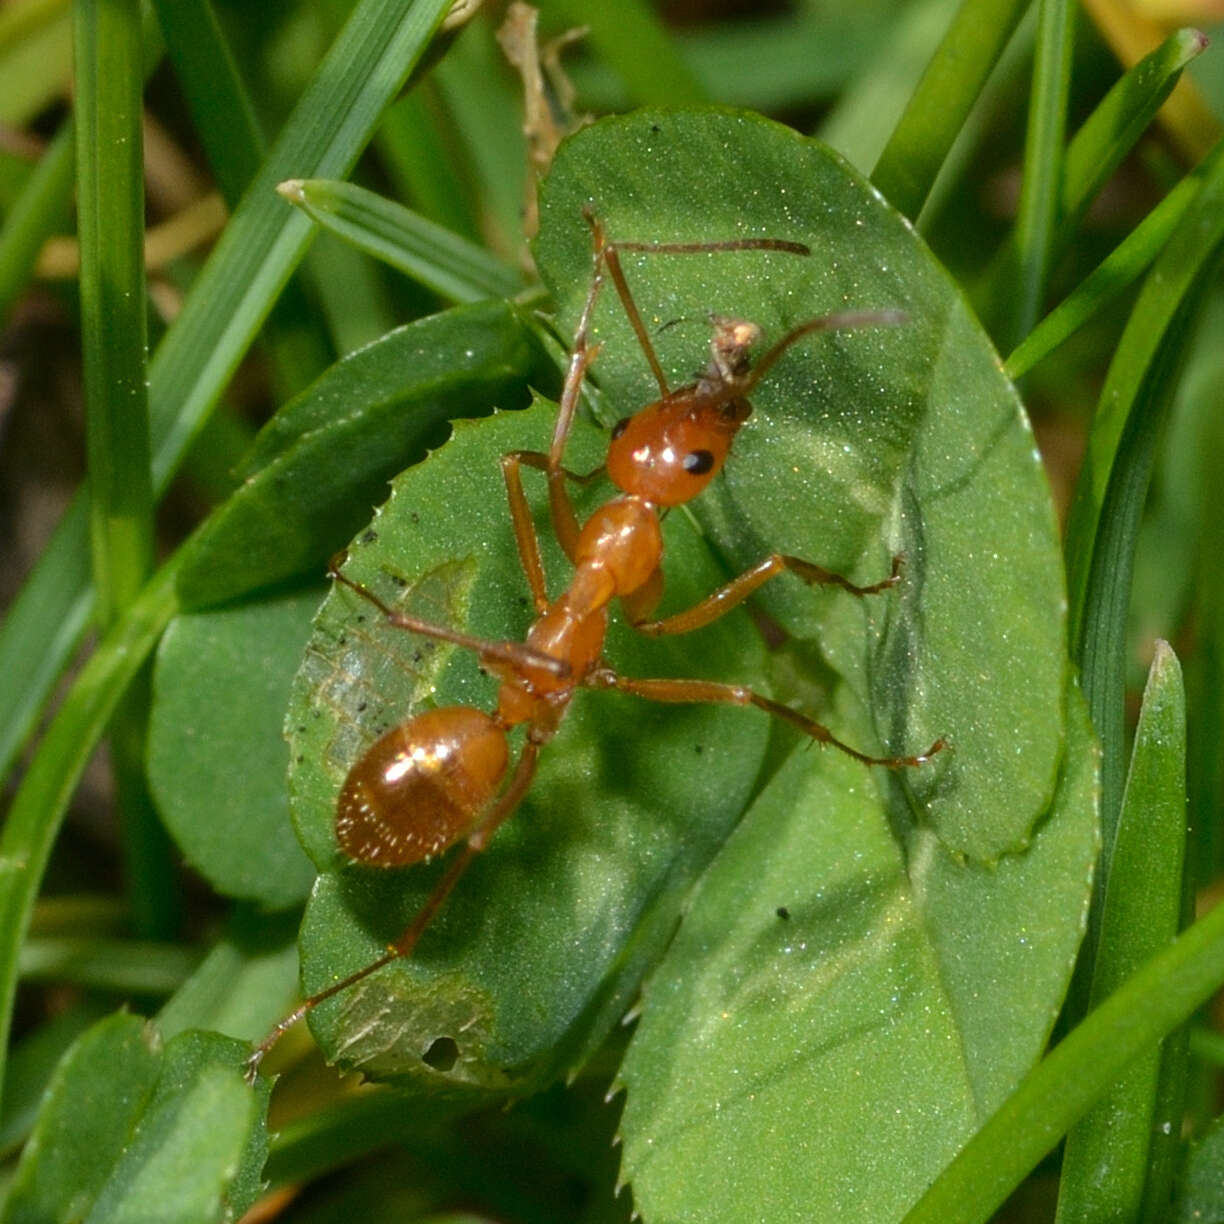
column 437, row 778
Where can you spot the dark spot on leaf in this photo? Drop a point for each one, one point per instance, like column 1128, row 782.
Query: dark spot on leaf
column 369, row 536
column 442, row 1054
column 782, row 912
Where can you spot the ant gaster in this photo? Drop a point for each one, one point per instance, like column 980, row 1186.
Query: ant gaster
column 440, row 777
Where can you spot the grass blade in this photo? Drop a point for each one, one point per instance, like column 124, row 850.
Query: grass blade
column 327, row 131
column 1094, row 153
column 1123, row 115
column 40, row 209
column 945, row 95
column 451, row 266
column 630, row 37
column 34, row 819
column 1113, row 482
column 1105, row 1166
column 1112, row 277
column 1043, row 160
column 110, row 225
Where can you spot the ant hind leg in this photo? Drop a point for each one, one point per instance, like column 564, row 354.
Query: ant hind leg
column 680, row 691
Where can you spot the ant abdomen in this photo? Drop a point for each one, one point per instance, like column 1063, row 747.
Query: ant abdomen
column 420, row 787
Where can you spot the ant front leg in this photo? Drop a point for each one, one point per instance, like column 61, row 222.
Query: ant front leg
column 684, row 691
column 738, row 589
column 513, row 654
column 525, row 537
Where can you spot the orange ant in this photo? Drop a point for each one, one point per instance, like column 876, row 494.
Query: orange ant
column 437, row 779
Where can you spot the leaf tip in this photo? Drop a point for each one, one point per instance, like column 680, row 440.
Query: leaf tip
column 292, row 190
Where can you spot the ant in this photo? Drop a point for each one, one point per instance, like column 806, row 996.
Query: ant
column 440, row 777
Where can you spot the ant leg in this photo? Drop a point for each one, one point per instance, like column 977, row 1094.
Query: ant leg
column 608, row 252
column 611, row 258
column 738, row 589
column 509, row 799
column 565, row 521
column 738, row 694
column 515, row 654
column 525, row 538
column 539, row 461
column 524, row 527
column 607, row 257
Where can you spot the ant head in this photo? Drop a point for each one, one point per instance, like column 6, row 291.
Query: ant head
column 670, row 450
column 730, row 346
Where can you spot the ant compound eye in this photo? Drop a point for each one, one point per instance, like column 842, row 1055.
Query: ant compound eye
column 698, row 462
column 620, row 427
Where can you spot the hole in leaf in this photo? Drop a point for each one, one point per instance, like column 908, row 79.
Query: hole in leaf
column 442, row 1054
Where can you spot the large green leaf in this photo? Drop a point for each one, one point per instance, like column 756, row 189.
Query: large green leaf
column 541, row 948
column 840, row 1012
column 904, row 439
column 865, row 444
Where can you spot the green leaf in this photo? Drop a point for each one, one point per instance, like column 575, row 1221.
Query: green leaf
column 862, row 445
column 1105, row 1165
column 824, row 1031
column 199, row 1144
column 245, row 984
column 216, row 757
column 440, row 259
column 879, row 441
column 95, row 1099
column 540, row 951
column 378, row 408
column 128, row 1128
column 1063, row 1086
column 31, row 1064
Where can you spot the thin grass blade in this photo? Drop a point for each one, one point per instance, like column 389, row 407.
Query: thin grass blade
column 1043, row 160
column 1113, row 483
column 1105, row 1165
column 441, row 260
column 329, row 127
column 1112, row 277
column 922, row 138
